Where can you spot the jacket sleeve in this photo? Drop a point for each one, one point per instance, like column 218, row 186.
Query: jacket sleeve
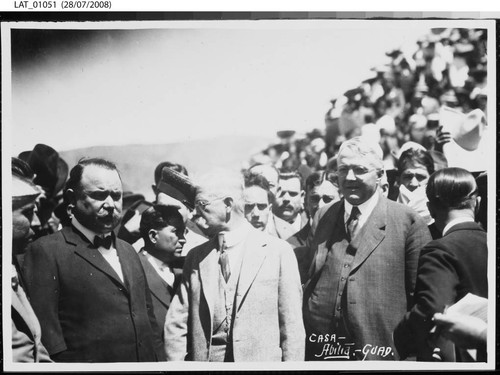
column 417, row 238
column 292, row 334
column 435, row 288
column 42, row 279
column 176, row 322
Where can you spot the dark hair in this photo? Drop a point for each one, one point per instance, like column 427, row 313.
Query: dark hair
column 317, row 178
column 158, row 217
column 259, row 181
column 452, row 188
column 22, row 169
column 286, row 174
column 75, row 175
column 176, row 167
column 414, row 156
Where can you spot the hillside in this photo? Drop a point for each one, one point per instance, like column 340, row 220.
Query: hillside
column 137, row 162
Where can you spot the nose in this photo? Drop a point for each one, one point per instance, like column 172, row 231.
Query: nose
column 109, row 203
column 350, row 175
column 414, row 183
column 35, row 222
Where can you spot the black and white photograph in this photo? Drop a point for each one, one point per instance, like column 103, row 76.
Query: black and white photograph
column 248, row 193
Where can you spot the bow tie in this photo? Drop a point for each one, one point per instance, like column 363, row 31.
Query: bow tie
column 105, row 242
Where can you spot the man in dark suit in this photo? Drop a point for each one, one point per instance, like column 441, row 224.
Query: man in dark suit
column 319, row 192
column 240, row 297
column 162, row 229
column 87, row 287
column 450, row 267
column 363, row 272
column 26, row 332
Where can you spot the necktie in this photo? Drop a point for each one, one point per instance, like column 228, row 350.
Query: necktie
column 224, row 258
column 104, row 242
column 352, row 222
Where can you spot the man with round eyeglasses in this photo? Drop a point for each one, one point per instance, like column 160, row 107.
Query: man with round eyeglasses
column 240, row 297
column 363, row 272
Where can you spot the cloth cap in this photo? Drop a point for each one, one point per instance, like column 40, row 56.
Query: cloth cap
column 23, row 192
column 177, row 186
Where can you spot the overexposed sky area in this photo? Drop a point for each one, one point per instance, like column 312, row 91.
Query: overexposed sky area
column 193, row 80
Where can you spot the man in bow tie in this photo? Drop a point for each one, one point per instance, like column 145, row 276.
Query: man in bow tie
column 363, row 272
column 240, row 296
column 88, row 287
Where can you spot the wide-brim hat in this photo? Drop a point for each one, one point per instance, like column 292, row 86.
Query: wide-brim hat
column 466, row 130
column 50, row 169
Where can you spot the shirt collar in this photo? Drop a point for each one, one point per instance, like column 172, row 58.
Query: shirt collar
column 89, row 234
column 366, row 207
column 159, row 264
column 458, row 220
column 237, row 235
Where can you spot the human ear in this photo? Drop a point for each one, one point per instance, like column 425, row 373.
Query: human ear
column 153, row 235
column 229, row 202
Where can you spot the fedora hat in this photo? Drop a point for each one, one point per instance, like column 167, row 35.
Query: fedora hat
column 50, row 169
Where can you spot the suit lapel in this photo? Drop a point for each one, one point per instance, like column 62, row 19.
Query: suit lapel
column 372, row 233
column 253, row 258
column 21, row 305
column 209, row 271
column 87, row 251
column 158, row 287
column 331, row 219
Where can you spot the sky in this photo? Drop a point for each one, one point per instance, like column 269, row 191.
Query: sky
column 173, row 82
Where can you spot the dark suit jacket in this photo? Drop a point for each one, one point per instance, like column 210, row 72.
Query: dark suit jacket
column 161, row 292
column 381, row 279
column 448, row 269
column 86, row 312
column 300, row 242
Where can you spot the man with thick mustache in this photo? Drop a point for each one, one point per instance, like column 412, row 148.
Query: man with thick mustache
column 88, row 287
column 363, row 273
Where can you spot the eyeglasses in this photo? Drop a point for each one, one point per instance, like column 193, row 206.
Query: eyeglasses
column 343, row 170
column 260, row 206
column 326, row 198
column 200, row 203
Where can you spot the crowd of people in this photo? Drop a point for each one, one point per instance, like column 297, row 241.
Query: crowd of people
column 355, row 243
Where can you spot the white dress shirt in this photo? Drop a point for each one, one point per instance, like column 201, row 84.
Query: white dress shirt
column 110, row 254
column 365, row 209
column 163, row 270
column 458, row 220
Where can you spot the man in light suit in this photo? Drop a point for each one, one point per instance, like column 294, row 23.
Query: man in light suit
column 240, row 297
column 87, row 287
column 363, row 272
column 162, row 229
column 449, row 267
column 26, row 332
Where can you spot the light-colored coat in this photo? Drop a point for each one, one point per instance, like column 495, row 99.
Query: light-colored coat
column 268, row 323
column 26, row 332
